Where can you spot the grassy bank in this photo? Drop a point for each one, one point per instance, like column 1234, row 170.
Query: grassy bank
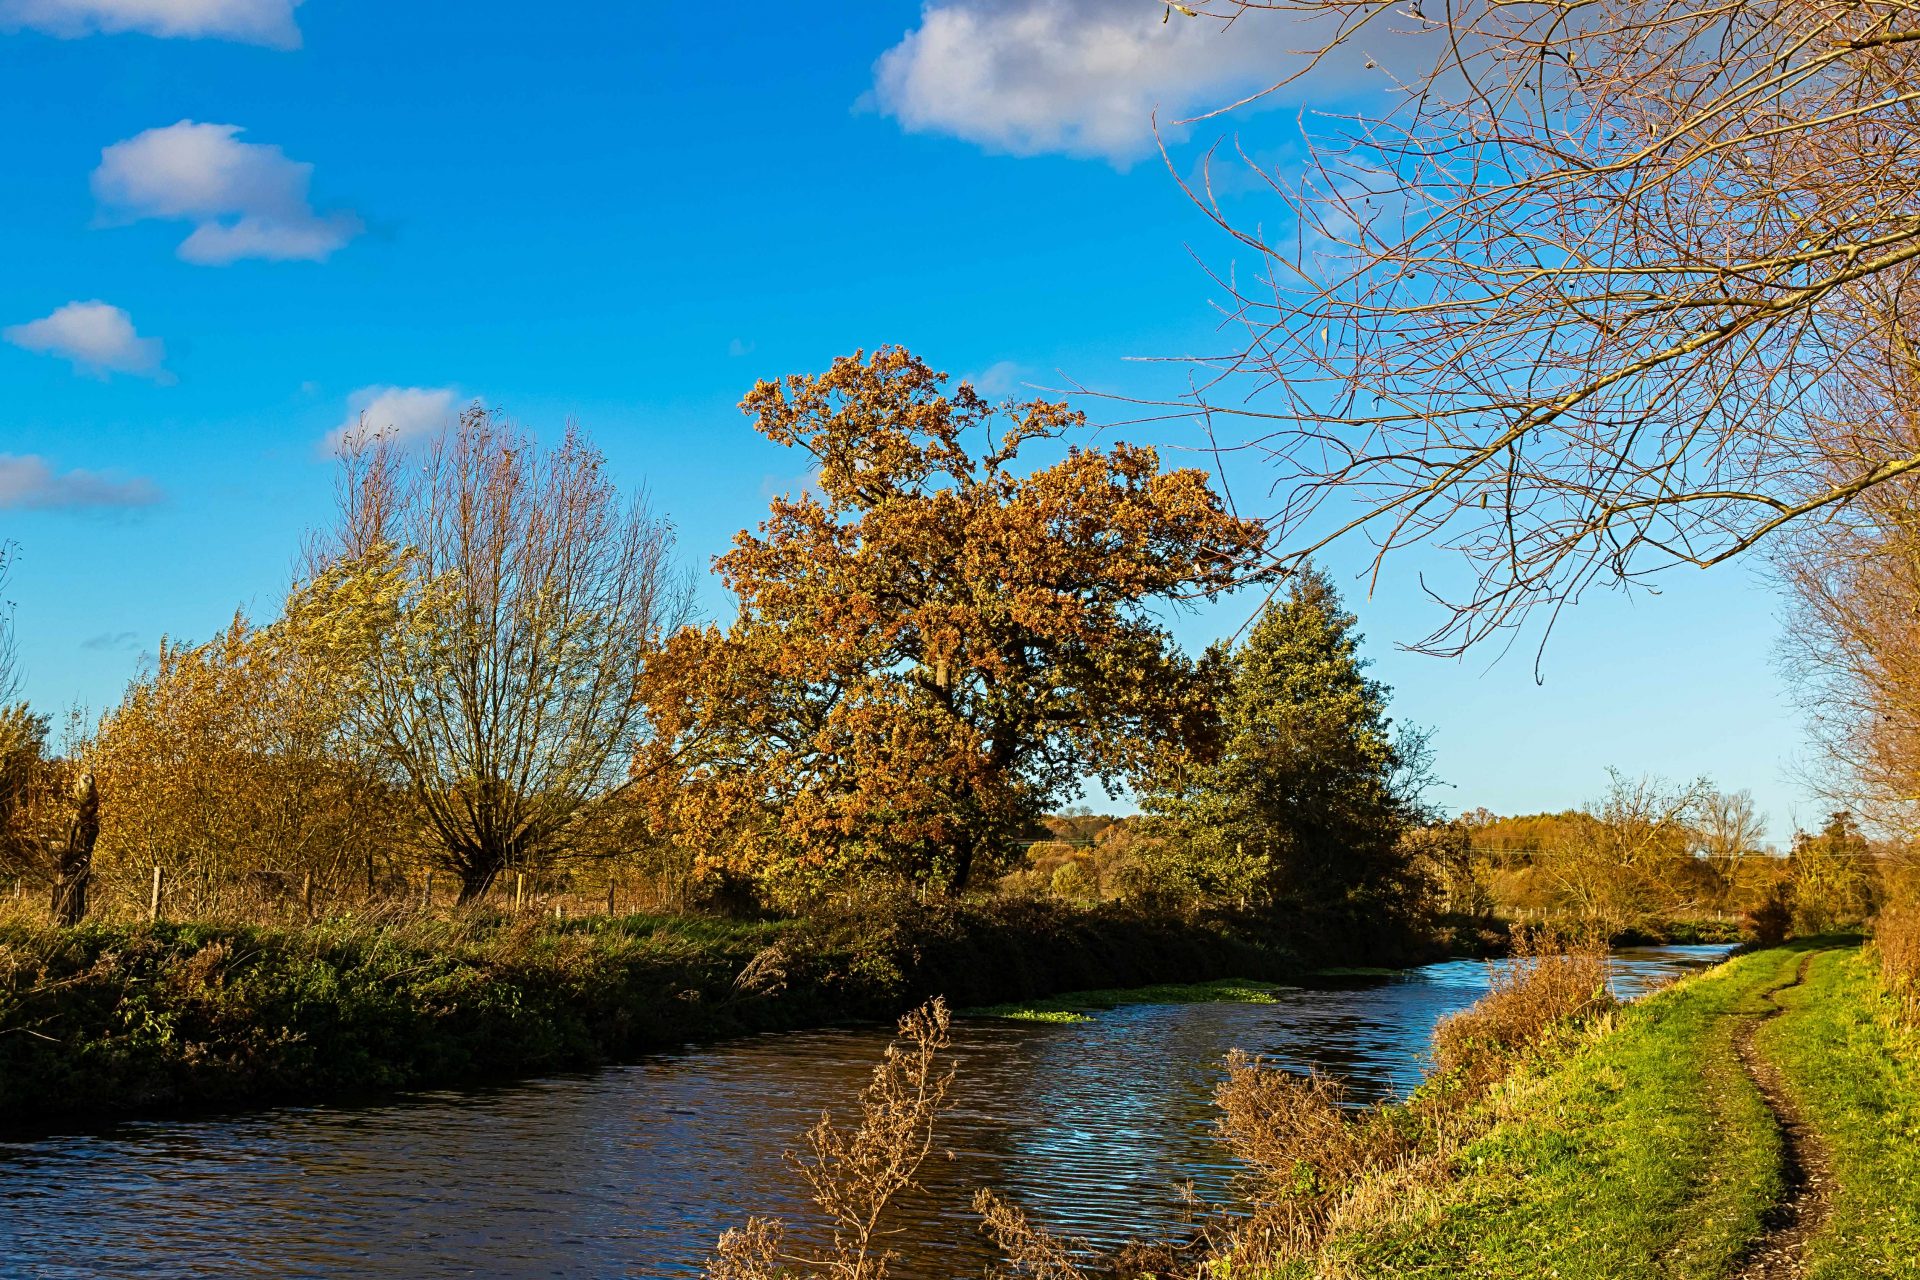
column 1640, row 1147
column 109, row 1020
column 1856, row 1073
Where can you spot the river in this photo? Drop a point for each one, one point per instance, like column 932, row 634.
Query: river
column 635, row 1170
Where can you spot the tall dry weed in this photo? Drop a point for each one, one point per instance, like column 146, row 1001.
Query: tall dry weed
column 1029, row 1250
column 854, row 1175
column 1546, row 981
column 1305, row 1149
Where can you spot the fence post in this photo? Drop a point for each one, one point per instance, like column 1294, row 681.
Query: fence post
column 306, row 896
column 426, row 892
column 609, row 897
column 519, row 890
column 153, row 898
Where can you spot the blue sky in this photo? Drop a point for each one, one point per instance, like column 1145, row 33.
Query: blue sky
column 229, row 225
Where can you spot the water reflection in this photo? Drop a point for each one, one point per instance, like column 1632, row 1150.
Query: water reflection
column 635, row 1170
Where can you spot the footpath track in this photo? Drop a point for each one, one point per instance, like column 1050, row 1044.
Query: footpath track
column 1806, row 1200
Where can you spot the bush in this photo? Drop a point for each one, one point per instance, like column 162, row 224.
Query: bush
column 1547, row 981
column 114, row 1019
column 1772, row 920
column 1896, row 942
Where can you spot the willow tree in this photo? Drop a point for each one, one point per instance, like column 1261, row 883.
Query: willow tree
column 939, row 645
column 1573, row 289
column 492, row 605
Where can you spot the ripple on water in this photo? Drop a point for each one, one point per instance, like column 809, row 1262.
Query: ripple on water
column 635, row 1170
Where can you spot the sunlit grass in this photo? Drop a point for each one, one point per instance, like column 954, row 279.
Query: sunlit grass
column 1641, row 1150
column 1856, row 1072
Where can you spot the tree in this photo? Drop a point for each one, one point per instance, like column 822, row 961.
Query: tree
column 493, row 606
column 940, row 644
column 23, row 776
column 1730, row 827
column 233, row 756
column 1624, row 864
column 1852, row 639
column 1831, row 877
column 9, row 650
column 1304, row 805
column 1581, row 298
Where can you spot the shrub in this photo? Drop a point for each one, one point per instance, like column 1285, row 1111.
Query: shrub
column 1772, row 920
column 1896, row 941
column 1546, row 981
column 1305, row 1147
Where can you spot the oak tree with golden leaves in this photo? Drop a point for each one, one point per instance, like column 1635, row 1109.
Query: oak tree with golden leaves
column 939, row 644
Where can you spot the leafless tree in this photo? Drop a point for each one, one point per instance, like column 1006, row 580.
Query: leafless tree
column 1729, row 825
column 1617, row 867
column 1577, row 299
column 1852, row 643
column 9, row 650
column 493, row 605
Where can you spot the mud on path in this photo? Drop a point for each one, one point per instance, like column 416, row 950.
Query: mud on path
column 1806, row 1198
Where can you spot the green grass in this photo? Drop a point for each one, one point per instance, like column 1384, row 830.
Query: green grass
column 1644, row 1152
column 1856, row 1074
column 1074, row 1006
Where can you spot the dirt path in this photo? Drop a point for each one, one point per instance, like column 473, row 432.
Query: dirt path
column 1779, row 1253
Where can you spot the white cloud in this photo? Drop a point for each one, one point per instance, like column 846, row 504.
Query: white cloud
column 997, row 380
column 245, row 199
column 396, row 414
column 268, row 22
column 1083, row 77
column 97, row 337
column 29, row 483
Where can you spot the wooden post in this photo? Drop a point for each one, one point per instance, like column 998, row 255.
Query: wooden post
column 306, row 895
column 153, row 897
column 426, row 893
column 609, row 896
column 519, row 890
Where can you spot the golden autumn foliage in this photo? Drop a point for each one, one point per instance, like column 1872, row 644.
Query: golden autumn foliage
column 940, row 643
column 451, row 684
column 24, row 787
column 231, row 757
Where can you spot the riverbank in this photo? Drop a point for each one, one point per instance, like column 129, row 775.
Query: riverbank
column 1741, row 1121
column 105, row 1021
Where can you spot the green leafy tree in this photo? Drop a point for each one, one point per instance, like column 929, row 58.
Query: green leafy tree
column 1305, row 804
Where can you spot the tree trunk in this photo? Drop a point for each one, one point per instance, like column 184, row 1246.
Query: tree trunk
column 76, row 855
column 477, row 871
column 962, row 865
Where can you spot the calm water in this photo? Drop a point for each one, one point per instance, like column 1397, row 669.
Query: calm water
column 634, row 1171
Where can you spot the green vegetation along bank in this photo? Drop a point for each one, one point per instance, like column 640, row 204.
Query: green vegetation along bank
column 110, row 1020
column 1650, row 1148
